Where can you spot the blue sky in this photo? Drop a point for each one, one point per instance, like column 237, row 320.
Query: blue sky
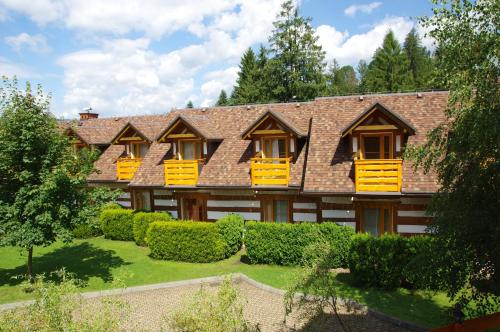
column 144, row 57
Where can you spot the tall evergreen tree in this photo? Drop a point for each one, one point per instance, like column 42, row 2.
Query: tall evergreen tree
column 246, row 88
column 297, row 62
column 341, row 80
column 388, row 71
column 419, row 60
column 362, row 71
column 222, row 101
column 189, row 104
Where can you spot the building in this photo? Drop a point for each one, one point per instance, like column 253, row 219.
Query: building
column 332, row 159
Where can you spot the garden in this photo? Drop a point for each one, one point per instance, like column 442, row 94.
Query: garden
column 126, row 248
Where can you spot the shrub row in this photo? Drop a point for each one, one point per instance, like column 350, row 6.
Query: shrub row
column 117, row 224
column 284, row 244
column 231, row 229
column 186, row 241
column 386, row 261
column 141, row 223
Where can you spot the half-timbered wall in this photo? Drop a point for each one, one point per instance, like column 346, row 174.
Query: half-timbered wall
column 164, row 200
column 125, row 200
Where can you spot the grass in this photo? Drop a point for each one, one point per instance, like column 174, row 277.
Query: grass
column 100, row 262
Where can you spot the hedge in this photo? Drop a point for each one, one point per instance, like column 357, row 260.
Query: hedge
column 385, row 261
column 117, row 224
column 231, row 229
column 141, row 223
column 186, row 241
column 284, row 244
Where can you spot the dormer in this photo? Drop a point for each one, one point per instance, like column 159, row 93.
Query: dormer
column 192, row 145
column 136, row 146
column 377, row 137
column 76, row 141
column 273, row 136
column 378, row 133
column 275, row 142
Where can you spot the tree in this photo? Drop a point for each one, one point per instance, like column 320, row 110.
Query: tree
column 222, row 101
column 341, row 80
column 363, row 72
column 419, row 60
column 464, row 151
column 246, row 89
column 388, row 71
column 43, row 192
column 297, row 62
column 189, row 104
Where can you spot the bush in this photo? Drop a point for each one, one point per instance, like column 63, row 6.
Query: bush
column 209, row 311
column 284, row 244
column 117, row 224
column 141, row 223
column 186, row 241
column 382, row 261
column 111, row 206
column 86, row 231
column 231, row 229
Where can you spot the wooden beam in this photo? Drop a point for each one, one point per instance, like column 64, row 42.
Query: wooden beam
column 268, row 132
column 376, row 127
column 133, row 138
column 181, row 136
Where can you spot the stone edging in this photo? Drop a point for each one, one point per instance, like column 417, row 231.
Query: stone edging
column 238, row 277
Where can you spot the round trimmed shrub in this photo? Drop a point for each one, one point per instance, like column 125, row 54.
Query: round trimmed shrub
column 117, row 224
column 231, row 229
column 141, row 223
column 186, row 241
column 340, row 239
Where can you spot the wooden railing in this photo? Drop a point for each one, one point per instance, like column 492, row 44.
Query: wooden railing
column 270, row 171
column 378, row 175
column 126, row 168
column 181, row 172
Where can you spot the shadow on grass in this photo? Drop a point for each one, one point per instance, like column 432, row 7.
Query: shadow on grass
column 84, row 261
column 408, row 305
column 245, row 260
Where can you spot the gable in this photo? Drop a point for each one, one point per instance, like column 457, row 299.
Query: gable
column 271, row 123
column 378, row 117
column 129, row 134
column 179, row 129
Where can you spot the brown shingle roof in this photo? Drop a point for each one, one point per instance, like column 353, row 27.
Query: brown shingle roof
column 329, row 163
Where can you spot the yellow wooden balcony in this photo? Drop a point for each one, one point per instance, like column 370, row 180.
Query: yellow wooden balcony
column 181, row 172
column 378, row 175
column 126, row 168
column 270, row 171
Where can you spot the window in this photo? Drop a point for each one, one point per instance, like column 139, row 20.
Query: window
column 190, row 150
column 143, row 200
column 377, row 220
column 275, row 210
column 137, row 150
column 275, row 148
column 376, row 146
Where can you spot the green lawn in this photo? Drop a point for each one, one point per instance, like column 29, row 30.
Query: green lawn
column 98, row 262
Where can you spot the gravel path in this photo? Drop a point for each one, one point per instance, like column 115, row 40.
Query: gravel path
column 148, row 308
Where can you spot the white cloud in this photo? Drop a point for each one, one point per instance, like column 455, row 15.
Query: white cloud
column 35, row 43
column 349, row 49
column 10, row 69
column 217, row 81
column 124, row 76
column 366, row 9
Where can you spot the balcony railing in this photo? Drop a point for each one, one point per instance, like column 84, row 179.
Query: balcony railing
column 378, row 175
column 181, row 172
column 270, row 171
column 126, row 168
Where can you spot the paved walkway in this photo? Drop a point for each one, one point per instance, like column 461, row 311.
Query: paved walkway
column 150, row 305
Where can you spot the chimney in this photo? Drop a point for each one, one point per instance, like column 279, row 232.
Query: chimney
column 87, row 114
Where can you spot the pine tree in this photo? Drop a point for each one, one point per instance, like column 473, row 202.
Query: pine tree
column 246, row 89
column 189, row 104
column 222, row 101
column 388, row 71
column 362, row 71
column 419, row 60
column 297, row 62
column 341, row 80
